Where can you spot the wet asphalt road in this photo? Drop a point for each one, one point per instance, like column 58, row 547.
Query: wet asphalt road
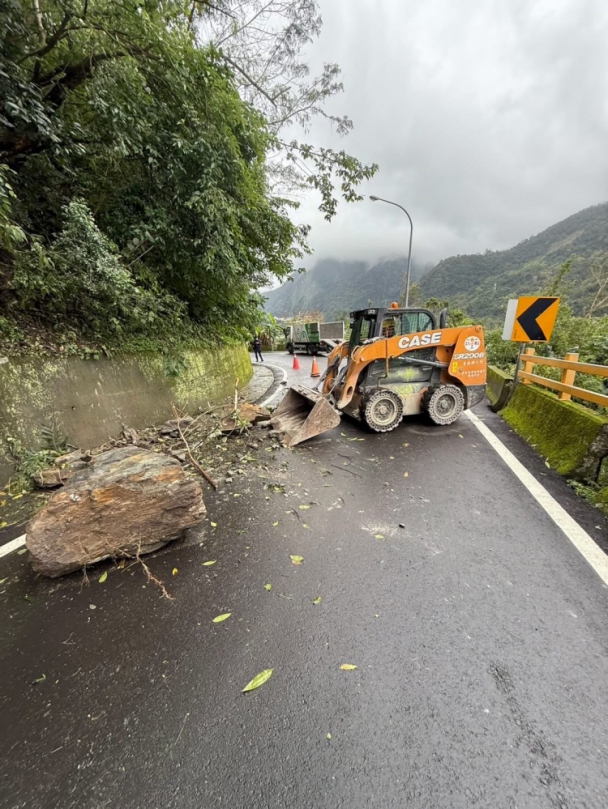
column 478, row 632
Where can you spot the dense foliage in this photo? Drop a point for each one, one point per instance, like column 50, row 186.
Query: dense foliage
column 135, row 196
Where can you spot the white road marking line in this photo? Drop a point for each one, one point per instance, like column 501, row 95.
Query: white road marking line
column 266, row 402
column 13, row 545
column 581, row 540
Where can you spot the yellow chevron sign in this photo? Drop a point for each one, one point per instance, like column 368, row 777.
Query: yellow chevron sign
column 530, row 319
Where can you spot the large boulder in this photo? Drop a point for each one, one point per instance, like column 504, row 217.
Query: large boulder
column 128, row 501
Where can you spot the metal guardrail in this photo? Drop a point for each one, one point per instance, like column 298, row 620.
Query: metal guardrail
column 570, row 367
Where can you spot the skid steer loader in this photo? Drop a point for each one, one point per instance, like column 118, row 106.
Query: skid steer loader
column 398, row 362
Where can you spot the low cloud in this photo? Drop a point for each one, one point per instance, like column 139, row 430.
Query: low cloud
column 489, row 121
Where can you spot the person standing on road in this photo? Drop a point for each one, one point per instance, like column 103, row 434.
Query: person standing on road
column 257, row 347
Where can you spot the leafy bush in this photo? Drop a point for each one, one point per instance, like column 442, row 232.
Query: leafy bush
column 81, row 278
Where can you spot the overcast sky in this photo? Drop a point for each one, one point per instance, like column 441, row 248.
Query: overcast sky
column 488, row 118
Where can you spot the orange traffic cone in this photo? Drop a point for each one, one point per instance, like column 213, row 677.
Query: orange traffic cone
column 315, row 368
column 296, row 363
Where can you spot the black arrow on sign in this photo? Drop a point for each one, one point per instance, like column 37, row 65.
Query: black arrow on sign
column 528, row 319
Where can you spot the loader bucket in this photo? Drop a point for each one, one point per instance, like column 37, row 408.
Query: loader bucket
column 302, row 414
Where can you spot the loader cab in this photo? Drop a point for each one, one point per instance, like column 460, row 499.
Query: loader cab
column 368, row 324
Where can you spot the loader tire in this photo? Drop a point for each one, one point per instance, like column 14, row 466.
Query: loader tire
column 445, row 404
column 383, row 410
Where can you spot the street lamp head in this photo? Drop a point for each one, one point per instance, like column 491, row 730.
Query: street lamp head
column 375, row 199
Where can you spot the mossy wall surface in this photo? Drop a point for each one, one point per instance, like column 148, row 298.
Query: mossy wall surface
column 496, row 382
column 562, row 432
column 92, row 400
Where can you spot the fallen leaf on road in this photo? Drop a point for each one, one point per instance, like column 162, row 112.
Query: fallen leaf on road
column 379, row 536
column 317, row 600
column 3, row 580
column 174, row 572
column 219, row 618
column 23, row 550
column 92, row 606
column 259, row 680
column 406, row 474
column 328, row 737
column 296, row 560
column 305, row 526
column 460, row 436
column 406, row 445
column 214, row 525
column 348, row 667
column 274, row 525
column 208, row 564
column 40, row 679
column 103, row 577
column 268, row 587
column 304, row 507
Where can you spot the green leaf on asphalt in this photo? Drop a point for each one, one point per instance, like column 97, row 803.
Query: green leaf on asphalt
column 103, row 577
column 296, row 560
column 208, row 564
column 268, row 587
column 304, row 507
column 3, row 580
column 275, row 524
column 348, row 667
column 379, row 536
column 23, row 550
column 259, row 680
column 40, row 679
column 219, row 618
column 214, row 525
column 329, row 737
column 317, row 600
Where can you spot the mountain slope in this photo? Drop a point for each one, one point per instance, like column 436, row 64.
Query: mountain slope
column 334, row 287
column 482, row 283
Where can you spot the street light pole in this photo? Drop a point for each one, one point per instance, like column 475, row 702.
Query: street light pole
column 409, row 255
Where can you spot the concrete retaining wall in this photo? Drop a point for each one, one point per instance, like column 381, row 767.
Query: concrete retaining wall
column 572, row 438
column 91, row 400
column 497, row 381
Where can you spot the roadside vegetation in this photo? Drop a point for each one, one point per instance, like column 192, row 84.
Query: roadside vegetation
column 146, row 183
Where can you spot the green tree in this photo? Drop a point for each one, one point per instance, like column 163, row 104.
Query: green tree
column 127, row 109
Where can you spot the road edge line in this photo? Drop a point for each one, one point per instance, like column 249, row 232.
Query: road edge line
column 581, row 540
column 12, row 546
column 267, row 401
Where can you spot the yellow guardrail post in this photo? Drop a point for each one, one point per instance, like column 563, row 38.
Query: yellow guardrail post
column 568, row 377
column 528, row 366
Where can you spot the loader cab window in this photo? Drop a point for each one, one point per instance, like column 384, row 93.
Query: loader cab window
column 362, row 328
column 406, row 323
column 412, row 322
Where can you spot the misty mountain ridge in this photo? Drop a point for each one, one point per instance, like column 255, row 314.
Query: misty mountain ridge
column 337, row 287
column 478, row 283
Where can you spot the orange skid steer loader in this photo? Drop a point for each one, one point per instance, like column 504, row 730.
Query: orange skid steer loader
column 398, row 362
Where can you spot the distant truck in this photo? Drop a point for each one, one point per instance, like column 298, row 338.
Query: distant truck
column 314, row 338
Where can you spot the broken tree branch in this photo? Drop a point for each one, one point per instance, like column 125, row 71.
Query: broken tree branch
column 194, row 462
